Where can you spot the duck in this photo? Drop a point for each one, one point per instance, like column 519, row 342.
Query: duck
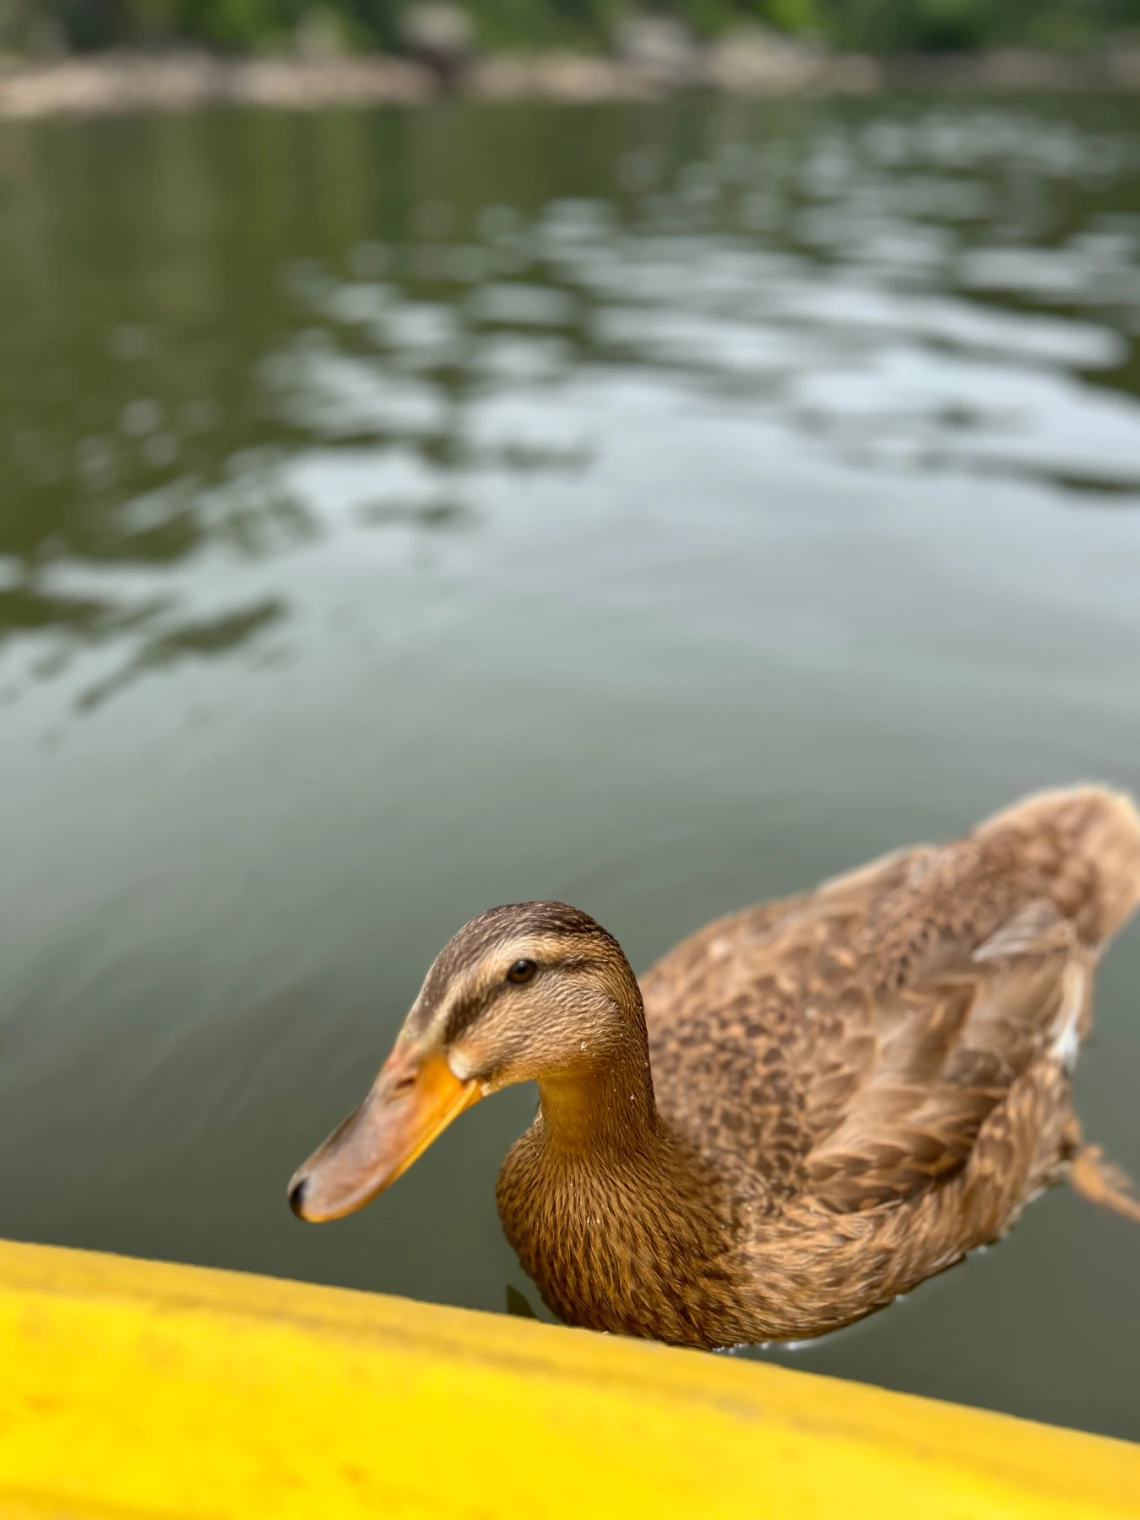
column 804, row 1110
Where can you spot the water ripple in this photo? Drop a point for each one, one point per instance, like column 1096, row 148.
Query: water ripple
column 947, row 291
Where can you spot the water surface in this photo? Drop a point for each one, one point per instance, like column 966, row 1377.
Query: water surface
column 654, row 507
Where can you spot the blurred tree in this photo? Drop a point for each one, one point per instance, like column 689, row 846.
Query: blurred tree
column 962, row 25
column 872, row 25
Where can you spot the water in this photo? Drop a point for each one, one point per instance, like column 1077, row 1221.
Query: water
column 656, row 507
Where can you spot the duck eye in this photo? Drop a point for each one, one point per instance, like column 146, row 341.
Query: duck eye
column 521, row 971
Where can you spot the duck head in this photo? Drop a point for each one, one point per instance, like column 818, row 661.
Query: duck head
column 531, row 991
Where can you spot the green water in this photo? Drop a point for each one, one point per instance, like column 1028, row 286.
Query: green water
column 653, row 507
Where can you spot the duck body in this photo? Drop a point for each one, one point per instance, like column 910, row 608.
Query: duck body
column 850, row 1089
column 802, row 1111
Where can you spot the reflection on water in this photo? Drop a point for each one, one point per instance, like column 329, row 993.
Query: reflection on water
column 939, row 289
column 651, row 506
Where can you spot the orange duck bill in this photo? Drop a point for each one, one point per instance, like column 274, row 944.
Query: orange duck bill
column 414, row 1099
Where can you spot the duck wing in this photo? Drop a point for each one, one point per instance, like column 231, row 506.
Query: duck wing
column 848, row 1046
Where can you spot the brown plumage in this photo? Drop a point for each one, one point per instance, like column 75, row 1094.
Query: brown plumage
column 808, row 1107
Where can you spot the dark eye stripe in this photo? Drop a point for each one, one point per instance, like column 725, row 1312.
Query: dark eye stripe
column 478, row 1004
column 471, row 1010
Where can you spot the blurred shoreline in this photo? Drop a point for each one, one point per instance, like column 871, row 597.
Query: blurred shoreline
column 123, row 82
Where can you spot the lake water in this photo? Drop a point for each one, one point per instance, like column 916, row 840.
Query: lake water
column 657, row 507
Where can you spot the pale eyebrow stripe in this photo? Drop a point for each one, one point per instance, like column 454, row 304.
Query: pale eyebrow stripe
column 460, row 1012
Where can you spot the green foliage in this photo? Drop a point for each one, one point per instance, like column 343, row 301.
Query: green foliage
column 871, row 25
column 963, row 25
column 233, row 24
column 793, row 15
column 893, row 25
column 544, row 23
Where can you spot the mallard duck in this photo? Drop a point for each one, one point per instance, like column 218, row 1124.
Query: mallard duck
column 803, row 1110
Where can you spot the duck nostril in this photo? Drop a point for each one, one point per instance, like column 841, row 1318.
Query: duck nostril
column 297, row 1197
column 403, row 1085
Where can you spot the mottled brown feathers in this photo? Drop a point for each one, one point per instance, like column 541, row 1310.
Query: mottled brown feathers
column 848, row 1091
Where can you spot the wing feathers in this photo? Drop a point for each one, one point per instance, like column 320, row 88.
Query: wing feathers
column 871, row 1035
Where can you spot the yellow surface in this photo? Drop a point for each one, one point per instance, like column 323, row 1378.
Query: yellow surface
column 132, row 1389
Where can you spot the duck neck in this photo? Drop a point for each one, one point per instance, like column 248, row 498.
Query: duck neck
column 605, row 1102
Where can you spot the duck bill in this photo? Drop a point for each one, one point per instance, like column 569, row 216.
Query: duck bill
column 412, row 1101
